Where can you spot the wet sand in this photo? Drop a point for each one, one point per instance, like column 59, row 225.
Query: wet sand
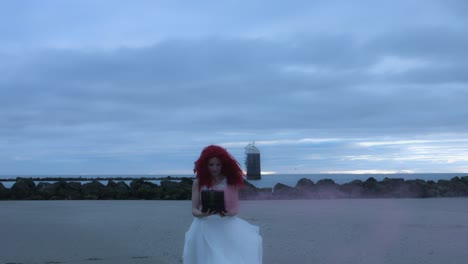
column 297, row 231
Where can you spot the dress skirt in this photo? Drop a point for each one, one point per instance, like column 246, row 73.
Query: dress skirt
column 222, row 240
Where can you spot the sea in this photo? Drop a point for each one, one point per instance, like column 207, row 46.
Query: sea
column 269, row 181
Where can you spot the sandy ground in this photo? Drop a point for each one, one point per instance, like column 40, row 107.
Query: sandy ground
column 306, row 231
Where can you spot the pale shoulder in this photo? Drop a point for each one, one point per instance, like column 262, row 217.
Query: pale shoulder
column 195, row 183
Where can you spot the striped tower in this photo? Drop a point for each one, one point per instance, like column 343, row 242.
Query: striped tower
column 252, row 162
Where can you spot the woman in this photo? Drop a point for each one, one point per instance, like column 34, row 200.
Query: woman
column 220, row 237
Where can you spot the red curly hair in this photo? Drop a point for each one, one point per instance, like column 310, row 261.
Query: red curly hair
column 230, row 167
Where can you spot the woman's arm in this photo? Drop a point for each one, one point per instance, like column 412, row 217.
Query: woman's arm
column 196, row 199
column 232, row 200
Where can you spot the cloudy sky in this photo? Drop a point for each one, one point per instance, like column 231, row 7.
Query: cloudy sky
column 140, row 87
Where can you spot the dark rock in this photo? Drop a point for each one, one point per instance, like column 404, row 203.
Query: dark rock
column 305, row 183
column 141, row 189
column 372, row 188
column 73, row 186
column 393, row 187
column 121, row 190
column 169, row 185
column 176, row 190
column 464, row 179
column 28, row 181
column 108, row 191
column 171, row 189
column 392, row 181
column 248, row 191
column 443, row 183
column 414, row 189
column 444, row 188
column 370, row 180
column 4, row 192
column 306, row 188
column 458, row 187
column 265, row 194
column 93, row 190
column 71, row 190
column 454, row 187
column 324, row 182
column 22, row 188
column 357, row 182
column 432, row 189
column 136, row 183
column 111, row 184
column 186, row 184
column 328, row 189
column 60, row 190
column 353, row 189
column 285, row 192
column 47, row 190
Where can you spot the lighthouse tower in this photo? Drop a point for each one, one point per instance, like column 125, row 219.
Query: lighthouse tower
column 252, row 162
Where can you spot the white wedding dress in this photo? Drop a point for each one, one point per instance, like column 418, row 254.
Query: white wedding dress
column 222, row 240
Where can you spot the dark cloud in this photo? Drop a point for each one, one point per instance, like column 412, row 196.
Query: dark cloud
column 66, row 93
column 434, row 43
column 248, row 80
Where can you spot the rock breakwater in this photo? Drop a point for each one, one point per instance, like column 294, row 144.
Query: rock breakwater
column 26, row 189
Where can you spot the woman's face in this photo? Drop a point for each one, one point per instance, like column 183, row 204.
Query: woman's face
column 215, row 166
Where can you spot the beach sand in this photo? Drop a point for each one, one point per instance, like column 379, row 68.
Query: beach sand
column 343, row 231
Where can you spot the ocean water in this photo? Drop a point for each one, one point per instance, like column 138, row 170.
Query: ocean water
column 269, row 181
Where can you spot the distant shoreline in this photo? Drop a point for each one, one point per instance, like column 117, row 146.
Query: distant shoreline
column 130, row 177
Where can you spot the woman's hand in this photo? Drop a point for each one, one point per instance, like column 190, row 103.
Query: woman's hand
column 228, row 213
column 198, row 213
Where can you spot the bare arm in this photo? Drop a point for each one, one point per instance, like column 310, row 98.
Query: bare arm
column 196, row 200
column 232, row 198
